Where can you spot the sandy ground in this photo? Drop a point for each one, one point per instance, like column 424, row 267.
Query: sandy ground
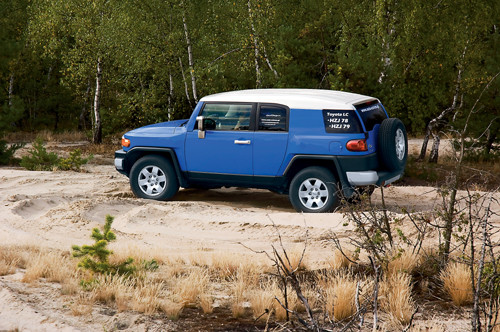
column 59, row 209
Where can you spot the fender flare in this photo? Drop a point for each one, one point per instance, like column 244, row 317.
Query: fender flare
column 138, row 152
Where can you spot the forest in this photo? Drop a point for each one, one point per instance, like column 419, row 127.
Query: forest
column 103, row 66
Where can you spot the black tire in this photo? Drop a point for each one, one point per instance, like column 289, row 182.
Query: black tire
column 393, row 144
column 323, row 195
column 153, row 177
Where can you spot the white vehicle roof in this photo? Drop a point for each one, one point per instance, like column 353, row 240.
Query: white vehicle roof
column 293, row 98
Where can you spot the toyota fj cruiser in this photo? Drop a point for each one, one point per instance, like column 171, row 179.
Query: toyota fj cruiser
column 314, row 145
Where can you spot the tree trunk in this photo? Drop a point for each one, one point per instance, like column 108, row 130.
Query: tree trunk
column 185, row 83
column 423, row 150
column 11, row 89
column 97, row 134
column 433, row 158
column 170, row 96
column 82, row 124
column 490, row 139
column 190, row 54
column 269, row 62
column 255, row 46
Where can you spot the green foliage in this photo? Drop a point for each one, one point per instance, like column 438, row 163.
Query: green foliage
column 39, row 159
column 7, row 152
column 95, row 258
column 407, row 53
column 75, row 161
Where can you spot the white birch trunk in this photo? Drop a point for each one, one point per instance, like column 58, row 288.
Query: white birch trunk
column 97, row 135
column 11, row 89
column 256, row 47
column 269, row 62
column 170, row 95
column 190, row 54
column 437, row 123
column 185, row 83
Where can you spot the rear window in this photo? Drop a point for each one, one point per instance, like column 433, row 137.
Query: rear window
column 371, row 113
column 341, row 121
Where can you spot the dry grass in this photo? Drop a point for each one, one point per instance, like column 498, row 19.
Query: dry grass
column 7, row 267
column 403, row 262
column 206, row 303
column 122, row 251
column 226, row 264
column 339, row 261
column 113, row 289
column 171, row 309
column 340, row 293
column 457, row 283
column 47, row 136
column 82, row 306
column 189, row 287
column 147, row 297
column 293, row 302
column 395, row 297
column 261, row 301
column 238, row 288
column 297, row 259
column 50, row 265
column 17, row 256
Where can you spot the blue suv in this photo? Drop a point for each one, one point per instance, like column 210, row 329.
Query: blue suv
column 314, row 145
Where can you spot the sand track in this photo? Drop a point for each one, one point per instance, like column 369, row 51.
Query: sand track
column 59, row 209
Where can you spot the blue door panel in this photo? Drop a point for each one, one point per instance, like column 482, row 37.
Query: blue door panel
column 218, row 152
column 269, row 152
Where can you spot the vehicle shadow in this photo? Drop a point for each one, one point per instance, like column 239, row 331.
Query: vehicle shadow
column 237, row 197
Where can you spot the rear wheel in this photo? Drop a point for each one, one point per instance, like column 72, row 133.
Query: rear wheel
column 153, row 177
column 314, row 189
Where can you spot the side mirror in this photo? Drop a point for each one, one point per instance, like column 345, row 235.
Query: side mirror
column 201, row 127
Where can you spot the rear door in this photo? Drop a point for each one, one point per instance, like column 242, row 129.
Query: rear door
column 271, row 139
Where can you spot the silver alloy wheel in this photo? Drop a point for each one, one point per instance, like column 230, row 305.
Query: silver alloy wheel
column 313, row 193
column 400, row 144
column 152, row 180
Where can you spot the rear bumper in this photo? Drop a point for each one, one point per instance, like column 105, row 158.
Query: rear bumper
column 366, row 178
column 355, row 171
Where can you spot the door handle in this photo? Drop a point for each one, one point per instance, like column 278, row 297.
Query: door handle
column 241, row 142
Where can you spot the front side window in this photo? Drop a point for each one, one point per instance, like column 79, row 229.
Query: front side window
column 272, row 118
column 227, row 116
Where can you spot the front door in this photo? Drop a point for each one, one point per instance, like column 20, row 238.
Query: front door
column 227, row 148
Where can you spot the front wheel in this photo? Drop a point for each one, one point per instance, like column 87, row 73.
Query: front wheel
column 153, row 177
column 314, row 190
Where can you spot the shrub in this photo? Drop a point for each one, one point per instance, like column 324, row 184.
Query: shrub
column 39, row 159
column 74, row 162
column 7, row 153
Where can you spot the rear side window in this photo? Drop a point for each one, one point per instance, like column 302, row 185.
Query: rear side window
column 272, row 118
column 343, row 121
column 371, row 113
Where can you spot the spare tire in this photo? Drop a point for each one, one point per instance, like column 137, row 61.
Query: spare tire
column 393, row 144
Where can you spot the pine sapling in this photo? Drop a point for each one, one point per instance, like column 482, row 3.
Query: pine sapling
column 96, row 257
